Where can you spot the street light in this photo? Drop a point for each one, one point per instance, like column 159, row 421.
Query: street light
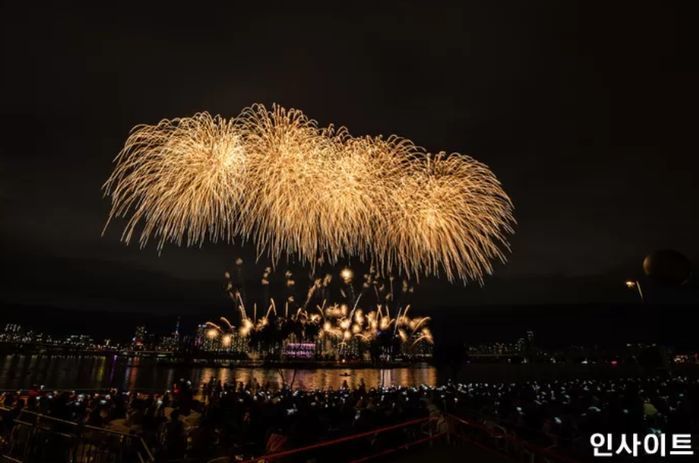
column 635, row 284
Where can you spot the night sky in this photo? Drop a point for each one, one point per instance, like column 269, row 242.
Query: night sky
column 587, row 114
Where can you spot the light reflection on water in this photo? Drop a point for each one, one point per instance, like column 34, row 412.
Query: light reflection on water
column 70, row 372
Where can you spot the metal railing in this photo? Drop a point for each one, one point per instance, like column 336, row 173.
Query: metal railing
column 39, row 438
column 379, row 442
column 491, row 436
column 448, row 428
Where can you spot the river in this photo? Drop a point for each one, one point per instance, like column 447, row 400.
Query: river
column 101, row 372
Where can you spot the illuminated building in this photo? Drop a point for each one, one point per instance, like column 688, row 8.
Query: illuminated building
column 139, row 338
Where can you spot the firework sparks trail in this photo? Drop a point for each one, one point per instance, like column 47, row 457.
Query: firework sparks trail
column 227, row 322
column 337, row 323
column 275, row 178
column 181, row 180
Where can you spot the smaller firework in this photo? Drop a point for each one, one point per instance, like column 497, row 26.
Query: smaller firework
column 338, row 329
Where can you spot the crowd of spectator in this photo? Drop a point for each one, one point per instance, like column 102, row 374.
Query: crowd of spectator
column 215, row 419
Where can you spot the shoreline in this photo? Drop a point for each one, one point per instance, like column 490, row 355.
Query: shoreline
column 205, row 359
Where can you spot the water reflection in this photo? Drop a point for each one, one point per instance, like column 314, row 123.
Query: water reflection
column 96, row 372
column 87, row 372
column 326, row 378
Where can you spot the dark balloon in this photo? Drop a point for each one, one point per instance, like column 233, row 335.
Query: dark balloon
column 667, row 267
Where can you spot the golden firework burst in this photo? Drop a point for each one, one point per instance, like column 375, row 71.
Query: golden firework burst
column 179, row 180
column 275, row 178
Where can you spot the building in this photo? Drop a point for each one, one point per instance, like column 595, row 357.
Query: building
column 139, row 338
column 171, row 342
column 79, row 340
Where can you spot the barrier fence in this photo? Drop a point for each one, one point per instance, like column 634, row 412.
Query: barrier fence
column 448, row 428
column 40, row 438
column 498, row 439
column 381, row 442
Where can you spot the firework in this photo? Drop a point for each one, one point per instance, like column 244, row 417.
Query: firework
column 360, row 176
column 336, row 328
column 275, row 178
column 450, row 214
column 365, row 326
column 180, row 180
column 284, row 159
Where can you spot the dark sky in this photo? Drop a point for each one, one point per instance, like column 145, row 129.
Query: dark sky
column 587, row 113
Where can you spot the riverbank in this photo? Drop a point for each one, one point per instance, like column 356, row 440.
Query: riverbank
column 201, row 358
